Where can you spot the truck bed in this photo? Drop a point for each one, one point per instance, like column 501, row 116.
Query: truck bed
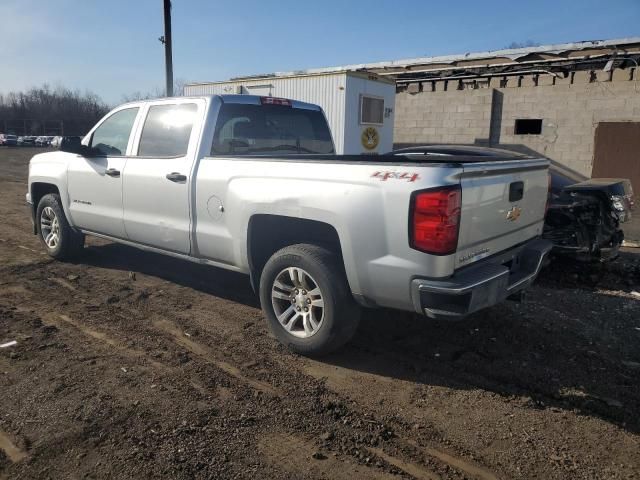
column 439, row 155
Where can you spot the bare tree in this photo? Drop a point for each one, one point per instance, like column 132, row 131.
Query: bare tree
column 43, row 110
column 157, row 92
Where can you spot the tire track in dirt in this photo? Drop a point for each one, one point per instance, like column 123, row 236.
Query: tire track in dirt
column 417, row 471
column 210, row 356
column 207, row 354
column 359, row 386
column 60, row 321
column 195, row 348
column 13, row 453
column 339, row 382
column 438, row 457
column 177, row 336
column 13, row 290
column 345, row 465
column 469, row 468
column 292, row 453
column 104, row 338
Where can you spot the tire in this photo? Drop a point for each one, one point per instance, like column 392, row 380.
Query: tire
column 51, row 220
column 332, row 317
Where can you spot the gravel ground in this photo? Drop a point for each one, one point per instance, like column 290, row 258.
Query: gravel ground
column 169, row 372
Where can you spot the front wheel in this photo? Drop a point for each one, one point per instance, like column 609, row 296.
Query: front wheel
column 61, row 241
column 307, row 301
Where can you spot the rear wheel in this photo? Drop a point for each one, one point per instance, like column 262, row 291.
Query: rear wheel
column 61, row 241
column 307, row 301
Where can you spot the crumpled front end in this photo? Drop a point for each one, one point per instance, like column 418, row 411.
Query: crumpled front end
column 584, row 220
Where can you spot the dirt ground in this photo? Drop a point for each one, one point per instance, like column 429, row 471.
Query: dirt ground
column 169, row 372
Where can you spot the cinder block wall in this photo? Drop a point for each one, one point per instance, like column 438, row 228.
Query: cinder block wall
column 570, row 109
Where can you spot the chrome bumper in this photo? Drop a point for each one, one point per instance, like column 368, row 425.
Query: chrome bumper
column 481, row 285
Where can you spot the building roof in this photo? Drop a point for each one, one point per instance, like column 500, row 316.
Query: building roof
column 561, row 50
column 555, row 57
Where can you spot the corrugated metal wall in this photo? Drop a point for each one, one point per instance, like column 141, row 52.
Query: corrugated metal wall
column 328, row 91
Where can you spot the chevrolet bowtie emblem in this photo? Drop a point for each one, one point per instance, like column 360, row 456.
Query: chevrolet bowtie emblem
column 514, row 213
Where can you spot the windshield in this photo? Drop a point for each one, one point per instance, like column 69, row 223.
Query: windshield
column 270, row 129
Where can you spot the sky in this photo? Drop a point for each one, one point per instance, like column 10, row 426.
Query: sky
column 111, row 47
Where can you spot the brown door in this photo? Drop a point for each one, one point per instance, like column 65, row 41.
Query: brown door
column 617, row 152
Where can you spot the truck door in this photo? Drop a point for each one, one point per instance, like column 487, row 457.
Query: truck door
column 95, row 183
column 157, row 179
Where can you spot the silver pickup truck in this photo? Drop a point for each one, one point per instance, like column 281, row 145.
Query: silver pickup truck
column 252, row 184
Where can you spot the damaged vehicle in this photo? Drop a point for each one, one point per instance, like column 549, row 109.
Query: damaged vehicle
column 584, row 217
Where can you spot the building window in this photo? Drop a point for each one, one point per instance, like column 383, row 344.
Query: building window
column 371, row 110
column 528, row 126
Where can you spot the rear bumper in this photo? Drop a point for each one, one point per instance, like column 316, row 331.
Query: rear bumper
column 481, row 285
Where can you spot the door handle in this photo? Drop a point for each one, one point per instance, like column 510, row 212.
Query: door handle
column 176, row 177
column 112, row 172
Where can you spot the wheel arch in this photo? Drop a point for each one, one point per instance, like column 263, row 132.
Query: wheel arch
column 38, row 190
column 267, row 233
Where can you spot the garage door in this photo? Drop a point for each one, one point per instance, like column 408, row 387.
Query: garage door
column 617, row 152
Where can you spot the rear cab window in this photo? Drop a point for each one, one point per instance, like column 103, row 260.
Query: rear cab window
column 244, row 129
column 167, row 130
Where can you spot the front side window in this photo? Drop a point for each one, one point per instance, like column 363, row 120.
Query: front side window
column 112, row 136
column 269, row 129
column 167, row 130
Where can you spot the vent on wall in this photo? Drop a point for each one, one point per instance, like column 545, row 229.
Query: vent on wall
column 528, row 126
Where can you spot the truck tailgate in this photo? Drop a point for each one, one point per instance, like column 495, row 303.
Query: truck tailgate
column 503, row 204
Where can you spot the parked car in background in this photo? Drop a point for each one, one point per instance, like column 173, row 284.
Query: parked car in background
column 57, row 141
column 252, row 184
column 584, row 217
column 28, row 141
column 7, row 139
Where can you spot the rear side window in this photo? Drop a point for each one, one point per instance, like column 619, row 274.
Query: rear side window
column 112, row 136
column 167, row 130
column 270, row 129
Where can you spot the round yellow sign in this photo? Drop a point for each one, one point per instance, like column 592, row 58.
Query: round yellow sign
column 370, row 138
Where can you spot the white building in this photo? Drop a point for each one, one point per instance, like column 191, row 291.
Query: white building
column 359, row 106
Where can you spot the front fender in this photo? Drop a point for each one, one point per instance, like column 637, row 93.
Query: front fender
column 50, row 168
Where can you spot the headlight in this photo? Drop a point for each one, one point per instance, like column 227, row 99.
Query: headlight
column 618, row 202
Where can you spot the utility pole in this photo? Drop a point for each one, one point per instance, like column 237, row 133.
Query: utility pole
column 166, row 39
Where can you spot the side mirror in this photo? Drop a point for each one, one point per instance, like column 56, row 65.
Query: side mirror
column 73, row 145
column 70, row 145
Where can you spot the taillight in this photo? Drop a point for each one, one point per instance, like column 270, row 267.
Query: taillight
column 435, row 220
column 275, row 101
